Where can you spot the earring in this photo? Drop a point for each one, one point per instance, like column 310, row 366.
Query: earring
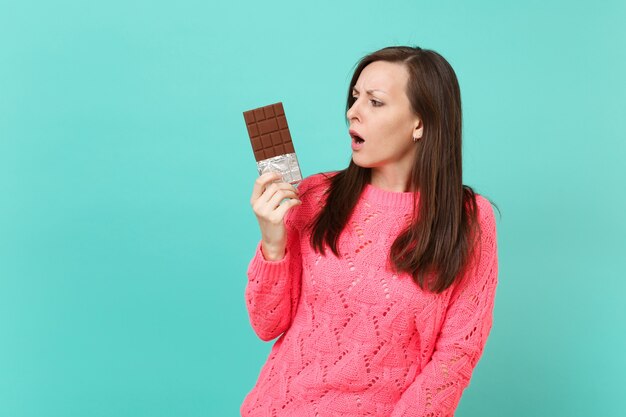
column 415, row 139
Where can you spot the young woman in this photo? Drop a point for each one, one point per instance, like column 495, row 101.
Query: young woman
column 379, row 279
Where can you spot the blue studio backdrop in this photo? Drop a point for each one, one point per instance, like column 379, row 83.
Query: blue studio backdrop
column 126, row 174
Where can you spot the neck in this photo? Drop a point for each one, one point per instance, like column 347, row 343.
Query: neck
column 391, row 181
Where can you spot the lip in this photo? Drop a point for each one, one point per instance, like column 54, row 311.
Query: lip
column 356, row 145
column 354, row 133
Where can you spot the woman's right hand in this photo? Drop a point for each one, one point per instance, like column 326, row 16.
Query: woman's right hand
column 266, row 204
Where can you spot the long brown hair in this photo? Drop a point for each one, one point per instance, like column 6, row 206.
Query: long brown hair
column 437, row 243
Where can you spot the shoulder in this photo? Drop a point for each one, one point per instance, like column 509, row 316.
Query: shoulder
column 317, row 179
column 315, row 184
column 487, row 240
column 312, row 190
column 485, row 214
column 481, row 267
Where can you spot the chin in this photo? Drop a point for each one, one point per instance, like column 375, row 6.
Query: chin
column 359, row 162
column 362, row 162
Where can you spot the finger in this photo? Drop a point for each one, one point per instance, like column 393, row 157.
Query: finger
column 276, row 187
column 287, row 205
column 279, row 196
column 261, row 183
column 271, row 199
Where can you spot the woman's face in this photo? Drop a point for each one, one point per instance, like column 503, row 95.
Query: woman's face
column 382, row 117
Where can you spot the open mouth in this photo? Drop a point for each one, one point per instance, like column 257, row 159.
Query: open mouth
column 356, row 138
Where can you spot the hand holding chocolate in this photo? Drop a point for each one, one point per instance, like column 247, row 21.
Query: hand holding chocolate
column 271, row 142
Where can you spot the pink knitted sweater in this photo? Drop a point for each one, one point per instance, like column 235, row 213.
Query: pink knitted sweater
column 355, row 338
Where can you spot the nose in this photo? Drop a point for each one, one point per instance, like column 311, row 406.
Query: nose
column 352, row 111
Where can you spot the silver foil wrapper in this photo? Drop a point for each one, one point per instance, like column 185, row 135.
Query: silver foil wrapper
column 287, row 165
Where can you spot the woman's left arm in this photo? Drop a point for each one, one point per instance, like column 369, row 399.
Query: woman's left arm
column 436, row 391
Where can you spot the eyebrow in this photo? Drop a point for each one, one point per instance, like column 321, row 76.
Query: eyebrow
column 368, row 91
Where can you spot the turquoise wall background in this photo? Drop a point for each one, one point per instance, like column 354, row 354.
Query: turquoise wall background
column 126, row 173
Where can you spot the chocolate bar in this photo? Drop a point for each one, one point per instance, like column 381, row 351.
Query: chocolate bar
column 271, row 142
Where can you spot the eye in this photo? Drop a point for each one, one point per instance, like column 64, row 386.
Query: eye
column 375, row 103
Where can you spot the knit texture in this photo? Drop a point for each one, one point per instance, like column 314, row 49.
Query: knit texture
column 357, row 339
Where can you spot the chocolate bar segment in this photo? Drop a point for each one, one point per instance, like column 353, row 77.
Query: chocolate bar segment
column 271, row 141
column 268, row 131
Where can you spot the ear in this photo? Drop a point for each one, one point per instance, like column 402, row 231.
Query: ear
column 418, row 129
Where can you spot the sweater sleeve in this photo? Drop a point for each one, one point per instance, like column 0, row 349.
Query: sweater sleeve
column 273, row 287
column 437, row 389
